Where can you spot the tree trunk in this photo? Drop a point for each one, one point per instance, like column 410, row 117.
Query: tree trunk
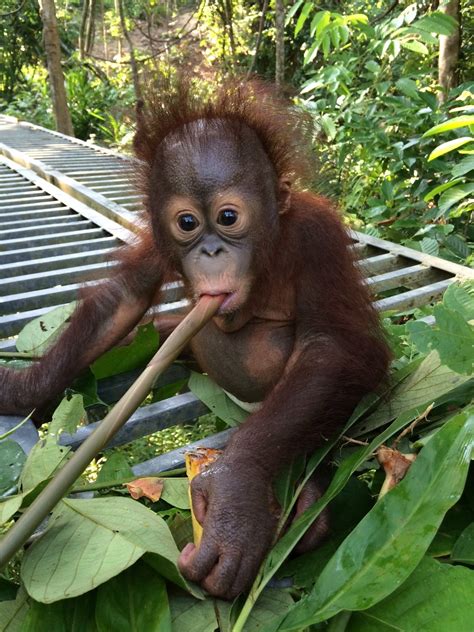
column 449, row 48
column 52, row 47
column 90, row 31
column 82, row 31
column 279, row 43
column 131, row 50
column 119, row 43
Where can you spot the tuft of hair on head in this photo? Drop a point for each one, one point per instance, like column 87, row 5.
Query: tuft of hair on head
column 284, row 131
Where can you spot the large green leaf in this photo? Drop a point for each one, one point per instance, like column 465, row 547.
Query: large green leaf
column 454, row 195
column 128, row 357
column 89, row 541
column 436, row 598
column 134, row 601
column 40, row 333
column 12, row 460
column 216, row 399
column 390, row 541
column 429, row 382
column 68, row 615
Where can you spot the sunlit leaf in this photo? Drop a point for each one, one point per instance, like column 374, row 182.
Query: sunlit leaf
column 454, row 123
column 303, row 16
column 449, row 146
column 415, row 46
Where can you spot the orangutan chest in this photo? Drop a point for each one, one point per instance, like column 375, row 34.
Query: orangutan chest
column 247, row 362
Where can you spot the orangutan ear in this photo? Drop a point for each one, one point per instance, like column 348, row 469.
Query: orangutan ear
column 284, row 195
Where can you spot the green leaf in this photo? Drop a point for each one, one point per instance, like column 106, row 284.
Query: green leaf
column 438, row 22
column 318, row 16
column 13, row 613
column 67, row 416
column 415, row 46
column 63, row 616
column 454, row 123
column 429, row 382
column 448, row 146
column 12, row 460
column 454, row 196
column 190, row 615
column 408, row 87
column 387, row 545
column 440, row 188
column 303, row 17
column 128, row 357
column 455, row 342
column 458, row 246
column 460, row 298
column 9, row 507
column 43, row 460
column 466, row 165
column 436, row 597
column 115, row 470
column 328, row 126
column 216, row 399
column 175, row 492
column 40, row 333
column 429, row 246
column 134, row 601
column 463, row 550
column 293, row 10
column 89, row 541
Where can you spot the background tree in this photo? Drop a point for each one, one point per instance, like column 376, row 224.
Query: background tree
column 52, row 47
column 449, row 49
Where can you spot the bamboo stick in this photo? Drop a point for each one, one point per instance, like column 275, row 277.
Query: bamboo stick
column 59, row 486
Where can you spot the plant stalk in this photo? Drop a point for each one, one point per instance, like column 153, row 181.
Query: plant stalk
column 204, row 310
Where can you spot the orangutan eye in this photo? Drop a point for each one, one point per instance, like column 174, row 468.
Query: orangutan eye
column 227, row 217
column 187, row 222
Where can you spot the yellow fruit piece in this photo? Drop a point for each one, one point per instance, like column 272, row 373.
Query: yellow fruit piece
column 196, row 461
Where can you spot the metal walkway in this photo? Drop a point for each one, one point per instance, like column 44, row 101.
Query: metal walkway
column 65, row 204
